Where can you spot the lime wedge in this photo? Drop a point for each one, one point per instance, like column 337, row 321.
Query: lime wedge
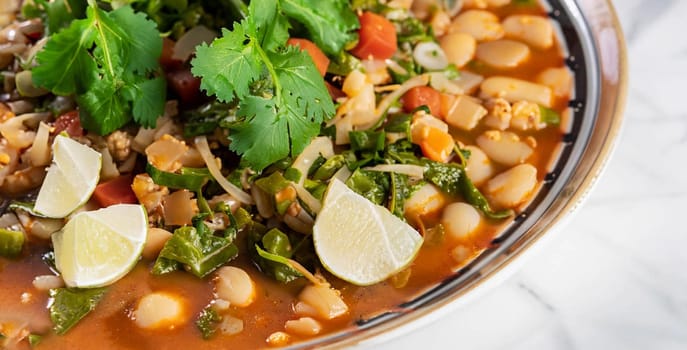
column 96, row 248
column 71, row 178
column 359, row 241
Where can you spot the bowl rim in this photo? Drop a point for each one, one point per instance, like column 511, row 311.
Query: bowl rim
column 399, row 325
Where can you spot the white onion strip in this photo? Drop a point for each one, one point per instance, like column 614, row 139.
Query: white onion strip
column 384, row 104
column 321, row 145
column 201, row 143
column 411, row 170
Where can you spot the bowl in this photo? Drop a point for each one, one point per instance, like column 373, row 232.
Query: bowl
column 595, row 50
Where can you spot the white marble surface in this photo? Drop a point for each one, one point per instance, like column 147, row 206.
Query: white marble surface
column 615, row 276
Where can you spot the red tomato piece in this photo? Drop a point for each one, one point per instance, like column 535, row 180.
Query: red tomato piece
column 70, row 123
column 318, row 57
column 185, row 85
column 377, row 37
column 115, row 191
column 422, row 96
column 167, row 62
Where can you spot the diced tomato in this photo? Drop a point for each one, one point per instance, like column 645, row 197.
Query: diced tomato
column 185, row 85
column 334, row 91
column 318, row 57
column 377, row 37
column 167, row 62
column 437, row 145
column 115, row 191
column 70, row 123
column 422, row 96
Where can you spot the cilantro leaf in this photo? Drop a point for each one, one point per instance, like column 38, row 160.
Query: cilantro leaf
column 331, row 24
column 228, row 65
column 274, row 124
column 108, row 60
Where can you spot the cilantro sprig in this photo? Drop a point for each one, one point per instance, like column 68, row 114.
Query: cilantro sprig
column 272, row 125
column 108, row 60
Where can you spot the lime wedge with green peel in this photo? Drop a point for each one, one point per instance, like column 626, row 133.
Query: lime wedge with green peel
column 71, row 178
column 96, row 248
column 359, row 241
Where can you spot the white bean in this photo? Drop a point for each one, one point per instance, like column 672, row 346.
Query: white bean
column 458, row 47
column 504, row 147
column 155, row 240
column 479, row 167
column 231, row 325
column 514, row 90
column 160, row 310
column 47, row 282
column 460, row 220
column 465, row 113
column 427, row 199
column 534, row 30
column 503, row 53
column 512, row 187
column 558, row 79
column 482, row 25
column 306, row 326
column 235, row 286
column 325, row 300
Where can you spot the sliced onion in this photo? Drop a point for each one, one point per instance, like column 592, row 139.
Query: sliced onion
column 468, row 81
column 452, row 7
column 186, row 45
column 40, row 150
column 108, row 169
column 308, row 199
column 342, row 174
column 440, row 82
column 420, row 80
column 24, row 82
column 262, row 202
column 411, row 170
column 321, row 145
column 301, row 223
column 201, row 143
column 15, row 131
column 430, row 55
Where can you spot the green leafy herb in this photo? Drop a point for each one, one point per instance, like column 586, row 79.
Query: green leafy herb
column 331, row 24
column 207, row 322
column 70, row 305
column 270, row 126
column 108, row 60
column 11, row 242
column 473, row 196
column 55, row 14
column 196, row 248
column 329, row 168
column 368, row 140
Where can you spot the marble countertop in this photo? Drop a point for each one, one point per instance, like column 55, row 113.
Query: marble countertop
column 613, row 277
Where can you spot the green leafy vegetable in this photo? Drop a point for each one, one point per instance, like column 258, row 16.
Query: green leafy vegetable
column 207, row 322
column 331, row 24
column 329, row 168
column 549, row 116
column 451, row 179
column 373, row 185
column 270, row 126
column 70, row 305
column 107, row 60
column 55, row 14
column 400, row 190
column 11, row 242
column 271, row 253
column 196, row 248
column 35, row 339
